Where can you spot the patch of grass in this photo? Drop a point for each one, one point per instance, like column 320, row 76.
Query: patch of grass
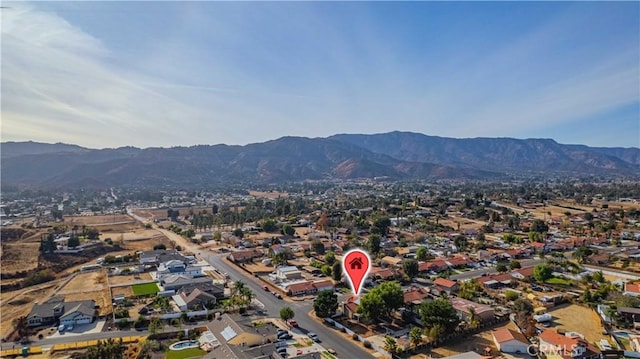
column 559, row 281
column 185, row 353
column 328, row 355
column 145, row 289
column 298, row 345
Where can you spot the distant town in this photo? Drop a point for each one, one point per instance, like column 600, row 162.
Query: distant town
column 460, row 270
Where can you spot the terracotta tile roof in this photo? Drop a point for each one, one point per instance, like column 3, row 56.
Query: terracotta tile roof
column 525, row 272
column 458, row 261
column 435, row 264
column 414, row 294
column 632, row 287
column 561, row 341
column 352, row 307
column 301, row 287
column 506, row 334
column 443, row 282
column 503, row 277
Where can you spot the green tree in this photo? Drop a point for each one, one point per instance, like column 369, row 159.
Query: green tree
column 421, row 254
column 238, row 233
column 415, row 337
column 288, row 230
column 326, row 270
column 510, row 295
column 539, row 226
column 461, row 242
column 581, row 253
column 598, row 277
column 286, row 313
column 73, row 241
column 325, row 304
column 330, row 258
column 336, row 271
column 390, row 344
column 515, row 264
column 371, row 305
column 501, row 267
column 439, row 314
column 542, row 272
column 317, row 246
column 473, row 318
column 268, row 225
column 382, row 224
column 392, row 296
column 373, row 243
column 410, row 267
column 155, row 326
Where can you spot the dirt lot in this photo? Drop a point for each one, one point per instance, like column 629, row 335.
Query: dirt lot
column 19, row 256
column 126, row 291
column 87, row 286
column 134, row 235
column 473, row 343
column 259, row 268
column 98, row 220
column 94, row 281
column 162, row 212
column 121, row 279
column 578, row 319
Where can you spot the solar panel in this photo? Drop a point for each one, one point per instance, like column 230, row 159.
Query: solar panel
column 228, row 333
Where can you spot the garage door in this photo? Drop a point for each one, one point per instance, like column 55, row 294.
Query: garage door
column 514, row 348
column 84, row 321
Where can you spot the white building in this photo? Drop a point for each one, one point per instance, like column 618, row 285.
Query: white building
column 288, row 273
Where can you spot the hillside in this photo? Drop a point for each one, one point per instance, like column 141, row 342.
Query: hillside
column 397, row 155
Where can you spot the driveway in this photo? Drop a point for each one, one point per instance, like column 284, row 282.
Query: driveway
column 95, row 327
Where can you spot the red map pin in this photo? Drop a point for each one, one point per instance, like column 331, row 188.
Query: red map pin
column 356, row 264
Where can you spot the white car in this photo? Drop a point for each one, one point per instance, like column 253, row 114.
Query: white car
column 314, row 337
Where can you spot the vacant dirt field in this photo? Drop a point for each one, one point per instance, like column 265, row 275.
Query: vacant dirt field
column 19, row 256
column 94, row 281
column 473, row 343
column 135, row 235
column 152, row 213
column 97, row 220
column 259, row 268
column 122, row 279
column 574, row 318
column 126, row 291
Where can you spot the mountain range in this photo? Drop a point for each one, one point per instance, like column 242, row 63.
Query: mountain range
column 395, row 155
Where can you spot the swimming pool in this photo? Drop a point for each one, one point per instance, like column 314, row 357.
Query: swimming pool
column 185, row 344
column 621, row 334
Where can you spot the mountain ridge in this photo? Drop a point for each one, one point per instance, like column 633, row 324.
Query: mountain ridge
column 397, row 155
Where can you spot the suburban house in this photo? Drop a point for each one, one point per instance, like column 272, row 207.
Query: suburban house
column 305, row 288
column 285, row 273
column 69, row 313
column 177, row 281
column 414, row 296
column 458, row 262
column 81, row 312
column 523, row 274
column 244, row 256
column 350, row 307
column 568, row 347
column 159, row 256
column 446, row 285
column 435, row 265
column 483, row 312
column 175, row 266
column 510, row 341
column 383, row 273
column 632, row 289
column 630, row 315
column 391, row 261
column 496, row 281
column 196, row 299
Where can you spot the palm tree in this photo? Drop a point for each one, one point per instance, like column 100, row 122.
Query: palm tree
column 473, row 318
column 390, row 344
column 246, row 294
column 415, row 337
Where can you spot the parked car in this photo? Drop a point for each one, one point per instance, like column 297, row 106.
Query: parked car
column 265, row 288
column 293, row 323
column 332, row 351
column 314, row 337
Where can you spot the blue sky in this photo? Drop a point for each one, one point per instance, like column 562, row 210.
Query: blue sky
column 108, row 74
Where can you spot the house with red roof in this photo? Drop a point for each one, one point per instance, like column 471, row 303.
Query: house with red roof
column 566, row 346
column 632, row 289
column 446, row 285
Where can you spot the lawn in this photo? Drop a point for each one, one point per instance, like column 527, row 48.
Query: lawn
column 145, row 289
column 328, row 355
column 185, row 353
column 559, row 281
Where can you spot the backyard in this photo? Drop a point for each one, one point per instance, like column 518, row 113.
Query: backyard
column 185, row 353
column 575, row 318
column 145, row 289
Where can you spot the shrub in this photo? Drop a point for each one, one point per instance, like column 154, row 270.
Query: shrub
column 367, row 344
column 354, row 336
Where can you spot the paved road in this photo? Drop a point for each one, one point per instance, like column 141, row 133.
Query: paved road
column 330, row 339
column 479, row 272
